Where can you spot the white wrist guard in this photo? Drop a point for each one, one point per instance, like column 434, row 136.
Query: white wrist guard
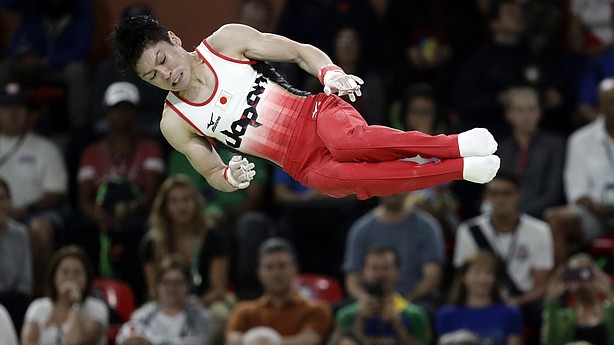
column 239, row 172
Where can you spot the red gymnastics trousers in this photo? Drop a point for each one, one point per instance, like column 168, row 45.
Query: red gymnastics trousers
column 332, row 149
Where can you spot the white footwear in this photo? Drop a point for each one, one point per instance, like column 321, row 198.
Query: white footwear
column 480, row 169
column 476, row 142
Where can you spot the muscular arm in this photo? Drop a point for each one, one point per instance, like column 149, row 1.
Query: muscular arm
column 197, row 150
column 241, row 41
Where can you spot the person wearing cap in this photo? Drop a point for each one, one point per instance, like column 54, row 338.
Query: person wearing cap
column 117, row 180
column 34, row 169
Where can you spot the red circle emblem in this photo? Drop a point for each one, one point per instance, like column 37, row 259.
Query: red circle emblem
column 223, row 100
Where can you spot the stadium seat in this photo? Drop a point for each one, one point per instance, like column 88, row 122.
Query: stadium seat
column 601, row 246
column 119, row 296
column 318, row 286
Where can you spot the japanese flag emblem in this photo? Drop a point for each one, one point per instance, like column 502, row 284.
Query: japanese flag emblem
column 223, row 100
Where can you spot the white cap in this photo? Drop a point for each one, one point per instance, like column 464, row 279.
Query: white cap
column 121, row 91
column 133, row 329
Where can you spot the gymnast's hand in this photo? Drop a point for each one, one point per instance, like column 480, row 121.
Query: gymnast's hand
column 239, row 172
column 336, row 81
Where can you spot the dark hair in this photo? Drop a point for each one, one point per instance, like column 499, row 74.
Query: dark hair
column 495, row 6
column 71, row 251
column 173, row 262
column 458, row 292
column 130, row 38
column 509, row 177
column 380, row 250
column 275, row 245
column 421, row 90
column 424, row 90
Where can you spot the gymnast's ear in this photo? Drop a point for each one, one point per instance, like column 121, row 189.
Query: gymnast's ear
column 174, row 38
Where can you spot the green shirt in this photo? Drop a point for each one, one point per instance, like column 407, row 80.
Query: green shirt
column 559, row 325
column 419, row 326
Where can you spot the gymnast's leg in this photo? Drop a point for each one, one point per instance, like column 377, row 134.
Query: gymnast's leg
column 350, row 138
column 368, row 179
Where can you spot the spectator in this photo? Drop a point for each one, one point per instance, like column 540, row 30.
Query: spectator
column 296, row 319
column 34, row 169
column 316, row 22
column 313, row 221
column 179, row 227
column 504, row 63
column 6, row 328
column 262, row 336
column 349, row 53
column 417, row 37
column 537, row 157
column 240, row 216
column 51, row 44
column 105, row 73
column 69, row 315
column 256, row 13
column 414, row 234
column 590, row 317
column 117, row 181
column 174, row 317
column 521, row 242
column 384, row 316
column 133, row 333
column 346, row 337
column 588, row 181
column 590, row 30
column 461, row 337
column 419, row 112
column 591, row 36
column 477, row 305
column 16, row 262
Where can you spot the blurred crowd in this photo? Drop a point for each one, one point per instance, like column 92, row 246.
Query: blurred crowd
column 91, row 195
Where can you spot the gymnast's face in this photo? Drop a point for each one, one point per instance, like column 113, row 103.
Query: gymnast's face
column 165, row 65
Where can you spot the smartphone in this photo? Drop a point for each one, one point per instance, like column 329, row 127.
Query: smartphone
column 578, row 274
column 374, row 288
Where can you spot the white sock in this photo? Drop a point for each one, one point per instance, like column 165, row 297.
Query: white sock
column 480, row 169
column 476, row 142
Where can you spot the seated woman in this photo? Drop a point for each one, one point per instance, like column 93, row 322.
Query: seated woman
column 477, row 306
column 179, row 226
column 174, row 317
column 69, row 315
column 590, row 317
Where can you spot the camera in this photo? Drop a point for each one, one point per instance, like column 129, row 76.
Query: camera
column 374, row 288
column 578, row 274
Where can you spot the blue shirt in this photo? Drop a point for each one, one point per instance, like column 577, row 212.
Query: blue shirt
column 418, row 239
column 493, row 324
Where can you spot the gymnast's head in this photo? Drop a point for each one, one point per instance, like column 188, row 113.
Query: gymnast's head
column 144, row 47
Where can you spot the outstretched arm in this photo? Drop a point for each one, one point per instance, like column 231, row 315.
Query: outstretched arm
column 204, row 158
column 243, row 42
